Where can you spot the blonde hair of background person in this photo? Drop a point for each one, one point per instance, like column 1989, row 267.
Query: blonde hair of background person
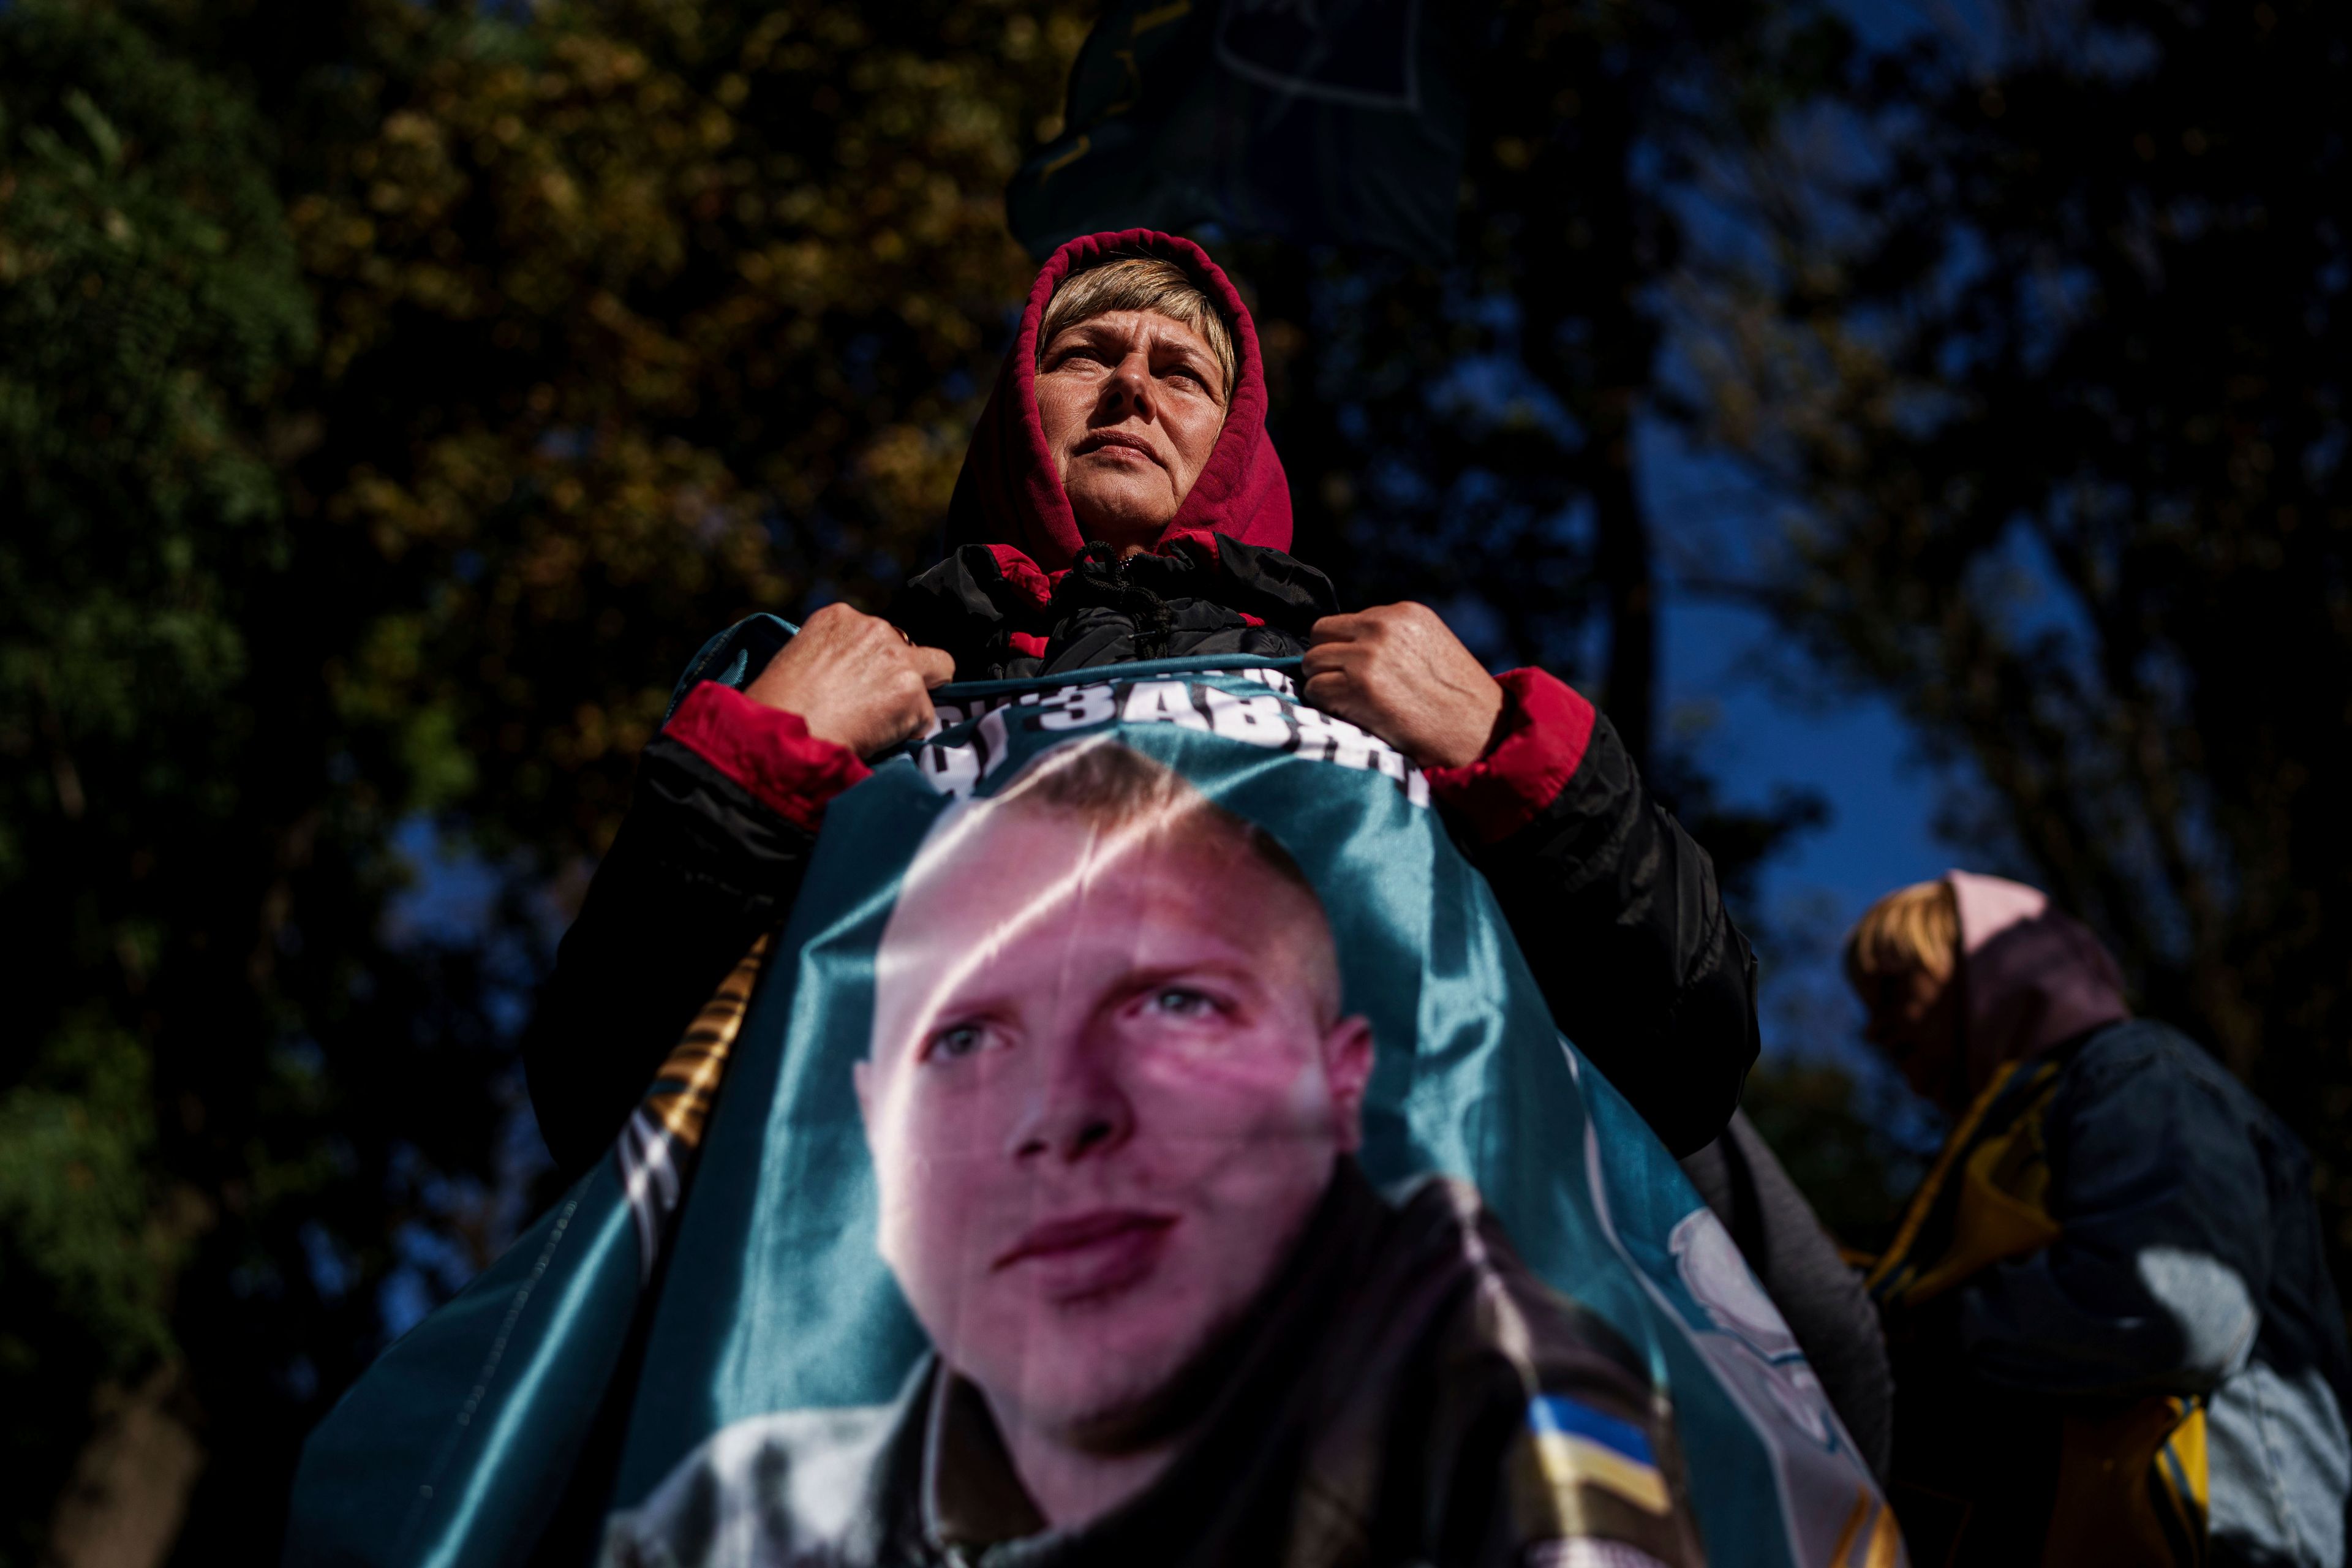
column 1903, row 959
column 1917, row 927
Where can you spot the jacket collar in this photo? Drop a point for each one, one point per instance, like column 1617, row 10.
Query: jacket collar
column 1229, row 1400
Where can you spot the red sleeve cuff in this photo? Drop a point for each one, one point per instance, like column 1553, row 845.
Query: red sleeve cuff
column 767, row 750
column 1539, row 742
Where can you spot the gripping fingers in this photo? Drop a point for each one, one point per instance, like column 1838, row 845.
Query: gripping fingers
column 910, row 711
column 1326, row 657
column 1335, row 693
column 1338, row 629
column 936, row 666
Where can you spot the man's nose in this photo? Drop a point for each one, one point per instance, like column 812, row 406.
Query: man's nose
column 1080, row 1109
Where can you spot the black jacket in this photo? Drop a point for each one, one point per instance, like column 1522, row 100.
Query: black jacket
column 1614, row 904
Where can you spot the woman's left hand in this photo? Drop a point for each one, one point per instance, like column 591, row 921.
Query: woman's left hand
column 1397, row 672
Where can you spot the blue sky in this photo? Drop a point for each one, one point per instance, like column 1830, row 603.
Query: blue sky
column 1764, row 720
column 1857, row 753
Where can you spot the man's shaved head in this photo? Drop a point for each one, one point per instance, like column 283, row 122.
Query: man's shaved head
column 1109, row 1082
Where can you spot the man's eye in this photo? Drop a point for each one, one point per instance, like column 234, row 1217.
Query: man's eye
column 1181, row 1002
column 957, row 1040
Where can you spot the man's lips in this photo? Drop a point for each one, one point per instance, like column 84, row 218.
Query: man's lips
column 1100, row 439
column 1089, row 1254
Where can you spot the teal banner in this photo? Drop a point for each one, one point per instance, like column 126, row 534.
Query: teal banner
column 1144, row 1143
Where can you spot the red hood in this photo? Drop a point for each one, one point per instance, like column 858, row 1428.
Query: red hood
column 1008, row 492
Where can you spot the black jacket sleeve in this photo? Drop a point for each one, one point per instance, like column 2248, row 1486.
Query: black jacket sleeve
column 697, row 871
column 1617, row 911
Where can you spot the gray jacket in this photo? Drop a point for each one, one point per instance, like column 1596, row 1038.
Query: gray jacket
column 1800, row 1267
column 2186, row 1263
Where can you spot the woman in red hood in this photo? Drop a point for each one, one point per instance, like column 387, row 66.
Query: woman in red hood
column 1121, row 501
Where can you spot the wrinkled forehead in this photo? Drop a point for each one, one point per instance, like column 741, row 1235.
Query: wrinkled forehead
column 1000, row 865
column 1129, row 321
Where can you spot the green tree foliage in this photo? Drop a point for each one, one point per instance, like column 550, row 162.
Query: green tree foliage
column 2055, row 385
column 1465, row 436
column 150, row 306
column 633, row 319
column 1468, row 434
column 395, row 395
column 400, row 392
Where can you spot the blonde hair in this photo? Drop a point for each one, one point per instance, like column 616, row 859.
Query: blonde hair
column 1142, row 283
column 1917, row 927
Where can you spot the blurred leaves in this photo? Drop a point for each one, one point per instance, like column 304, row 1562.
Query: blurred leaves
column 636, row 318
column 392, row 398
column 2048, row 361
column 90, row 1254
column 1467, row 435
column 151, row 306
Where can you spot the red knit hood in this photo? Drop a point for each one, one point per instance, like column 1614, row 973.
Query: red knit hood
column 1009, row 493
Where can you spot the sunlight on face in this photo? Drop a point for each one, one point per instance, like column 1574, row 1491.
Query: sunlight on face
column 1131, row 403
column 1108, row 1086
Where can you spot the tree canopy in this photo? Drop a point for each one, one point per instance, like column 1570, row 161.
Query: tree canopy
column 2049, row 387
column 392, row 396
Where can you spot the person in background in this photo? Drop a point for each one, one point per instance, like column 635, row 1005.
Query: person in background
column 2114, row 1336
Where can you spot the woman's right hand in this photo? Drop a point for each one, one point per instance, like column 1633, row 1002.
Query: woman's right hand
column 854, row 679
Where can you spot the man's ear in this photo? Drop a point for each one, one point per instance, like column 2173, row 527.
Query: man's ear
column 1348, row 1066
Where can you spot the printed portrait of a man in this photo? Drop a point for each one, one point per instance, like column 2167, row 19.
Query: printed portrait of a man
column 1113, row 1097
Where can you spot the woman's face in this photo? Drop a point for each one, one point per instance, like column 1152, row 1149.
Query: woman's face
column 1132, row 401
column 1914, row 1021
